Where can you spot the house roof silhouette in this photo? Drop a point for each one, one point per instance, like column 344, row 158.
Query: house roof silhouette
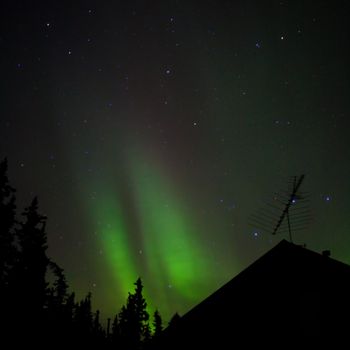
column 289, row 296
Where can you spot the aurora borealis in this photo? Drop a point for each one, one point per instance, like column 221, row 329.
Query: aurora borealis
column 145, row 229
column 152, row 130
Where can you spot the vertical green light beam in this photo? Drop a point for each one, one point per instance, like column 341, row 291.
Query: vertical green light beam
column 174, row 254
column 109, row 219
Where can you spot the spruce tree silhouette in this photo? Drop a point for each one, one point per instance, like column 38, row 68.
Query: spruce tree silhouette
column 8, row 251
column 174, row 320
column 84, row 321
column 124, row 328
column 147, row 334
column 69, row 312
column 60, row 286
column 98, row 334
column 157, row 324
column 7, row 222
column 115, row 336
column 31, row 267
column 133, row 318
column 58, row 311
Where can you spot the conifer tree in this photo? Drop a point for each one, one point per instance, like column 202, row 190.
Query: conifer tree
column 8, row 251
column 83, row 316
column 134, row 319
column 69, row 314
column 98, row 334
column 7, row 222
column 141, row 314
column 59, row 318
column 33, row 261
column 60, row 286
column 29, row 283
column 157, row 324
column 147, row 335
column 96, row 323
column 70, row 307
column 174, row 320
column 115, row 330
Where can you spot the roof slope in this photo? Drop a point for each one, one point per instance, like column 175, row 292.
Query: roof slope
column 290, row 294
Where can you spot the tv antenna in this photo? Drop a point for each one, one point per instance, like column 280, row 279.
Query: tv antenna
column 286, row 213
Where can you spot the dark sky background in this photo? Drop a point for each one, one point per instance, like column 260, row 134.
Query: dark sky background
column 152, row 130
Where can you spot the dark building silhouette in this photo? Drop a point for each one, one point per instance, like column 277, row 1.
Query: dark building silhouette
column 289, row 298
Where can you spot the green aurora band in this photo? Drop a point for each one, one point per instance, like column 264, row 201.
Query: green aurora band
column 115, row 243
column 145, row 231
column 174, row 258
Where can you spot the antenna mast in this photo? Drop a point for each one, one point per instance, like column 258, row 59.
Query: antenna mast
column 292, row 200
column 287, row 208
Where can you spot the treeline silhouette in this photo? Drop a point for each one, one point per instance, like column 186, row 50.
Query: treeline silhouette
column 36, row 311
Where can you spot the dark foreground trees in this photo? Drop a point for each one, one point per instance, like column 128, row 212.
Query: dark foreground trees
column 131, row 328
column 36, row 307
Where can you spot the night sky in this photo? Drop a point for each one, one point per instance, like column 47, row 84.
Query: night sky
column 152, row 130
